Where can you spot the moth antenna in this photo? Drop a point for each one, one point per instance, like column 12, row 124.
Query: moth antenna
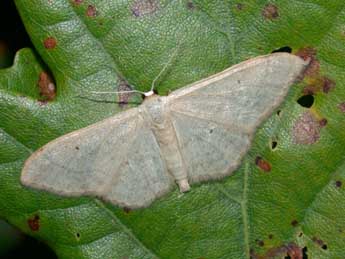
column 173, row 55
column 151, row 92
column 118, row 92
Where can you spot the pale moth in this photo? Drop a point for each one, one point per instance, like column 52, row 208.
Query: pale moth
column 197, row 133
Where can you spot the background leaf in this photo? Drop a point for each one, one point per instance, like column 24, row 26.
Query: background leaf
column 288, row 196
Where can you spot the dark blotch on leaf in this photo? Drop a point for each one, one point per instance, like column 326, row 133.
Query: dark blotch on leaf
column 270, row 12
column 328, row 85
column 294, row 251
column 306, row 101
column 306, row 129
column 294, row 223
column 124, row 97
column 290, row 250
column 263, row 164
column 338, row 183
column 144, row 7
column 260, row 242
column 91, row 11
column 323, row 122
column 310, row 90
column 50, row 43
column 34, row 223
column 270, row 236
column 46, row 86
column 286, row 49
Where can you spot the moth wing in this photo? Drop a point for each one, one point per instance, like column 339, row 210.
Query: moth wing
column 216, row 118
column 117, row 159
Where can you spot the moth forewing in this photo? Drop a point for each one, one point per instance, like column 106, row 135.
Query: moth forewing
column 198, row 133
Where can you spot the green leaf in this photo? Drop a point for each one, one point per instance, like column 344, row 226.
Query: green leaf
column 288, row 194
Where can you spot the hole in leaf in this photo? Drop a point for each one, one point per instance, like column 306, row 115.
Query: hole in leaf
column 324, row 247
column 304, row 251
column 286, row 49
column 274, row 144
column 306, row 101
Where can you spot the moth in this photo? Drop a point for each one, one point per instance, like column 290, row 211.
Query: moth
column 197, row 133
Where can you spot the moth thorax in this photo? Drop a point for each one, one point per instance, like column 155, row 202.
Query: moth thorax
column 155, row 107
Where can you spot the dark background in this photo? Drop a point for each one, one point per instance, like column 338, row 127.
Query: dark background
column 13, row 243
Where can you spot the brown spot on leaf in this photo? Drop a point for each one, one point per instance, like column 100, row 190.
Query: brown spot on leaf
column 323, row 122
column 46, row 86
column 270, row 236
column 328, row 85
column 270, row 12
column 294, row 223
column 310, row 90
column 263, row 164
column 91, row 11
column 144, row 7
column 306, row 129
column 319, row 83
column 260, row 242
column 78, row 1
column 292, row 250
column 50, row 43
column 309, row 53
column 34, row 223
column 123, row 97
column 338, row 183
